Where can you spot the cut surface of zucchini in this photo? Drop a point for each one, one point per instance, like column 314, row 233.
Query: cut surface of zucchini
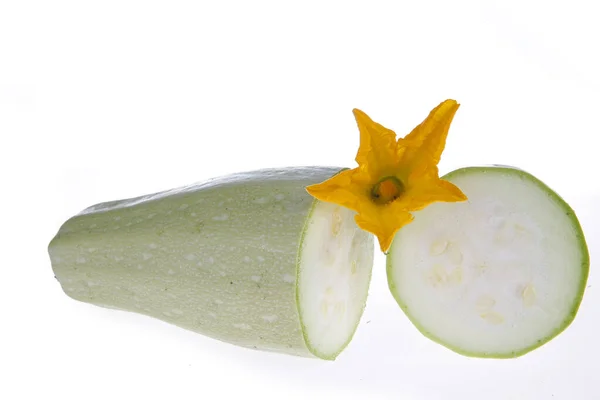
column 496, row 276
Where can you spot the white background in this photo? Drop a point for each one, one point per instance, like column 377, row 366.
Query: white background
column 114, row 99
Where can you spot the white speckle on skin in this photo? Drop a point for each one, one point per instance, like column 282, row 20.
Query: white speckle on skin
column 270, row 318
column 222, row 217
column 153, row 245
column 211, row 260
column 199, row 263
column 260, row 259
column 171, row 272
column 218, row 301
column 255, row 278
column 190, row 257
column 261, row 200
column 168, row 314
column 92, row 226
column 222, row 273
column 146, row 256
column 193, row 214
column 92, row 249
column 128, row 224
column 243, row 326
column 91, row 283
column 119, row 258
column 279, row 197
column 212, row 314
column 80, row 260
column 150, row 216
column 177, row 311
column 289, row 278
column 117, row 218
column 116, row 227
column 140, row 266
column 183, row 206
column 246, row 259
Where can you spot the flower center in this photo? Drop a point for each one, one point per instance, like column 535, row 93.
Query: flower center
column 387, row 190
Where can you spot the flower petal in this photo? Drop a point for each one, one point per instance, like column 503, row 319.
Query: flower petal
column 342, row 189
column 428, row 139
column 382, row 221
column 419, row 195
column 377, row 150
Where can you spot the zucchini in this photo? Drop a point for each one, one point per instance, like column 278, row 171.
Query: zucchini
column 250, row 259
column 496, row 276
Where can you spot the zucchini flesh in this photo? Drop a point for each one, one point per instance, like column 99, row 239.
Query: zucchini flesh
column 241, row 258
column 496, row 276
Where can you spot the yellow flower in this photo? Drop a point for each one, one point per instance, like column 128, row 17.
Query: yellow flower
column 393, row 177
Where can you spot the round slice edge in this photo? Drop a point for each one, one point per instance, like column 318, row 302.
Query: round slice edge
column 496, row 276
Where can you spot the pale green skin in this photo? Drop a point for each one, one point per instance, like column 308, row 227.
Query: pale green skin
column 219, row 258
column 584, row 265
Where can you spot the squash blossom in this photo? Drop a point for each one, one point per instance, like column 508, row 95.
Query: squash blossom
column 393, row 177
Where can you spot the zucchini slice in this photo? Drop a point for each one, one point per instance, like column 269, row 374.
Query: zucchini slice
column 496, row 276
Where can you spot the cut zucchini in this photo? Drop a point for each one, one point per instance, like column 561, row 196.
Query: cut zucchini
column 249, row 259
column 496, row 276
